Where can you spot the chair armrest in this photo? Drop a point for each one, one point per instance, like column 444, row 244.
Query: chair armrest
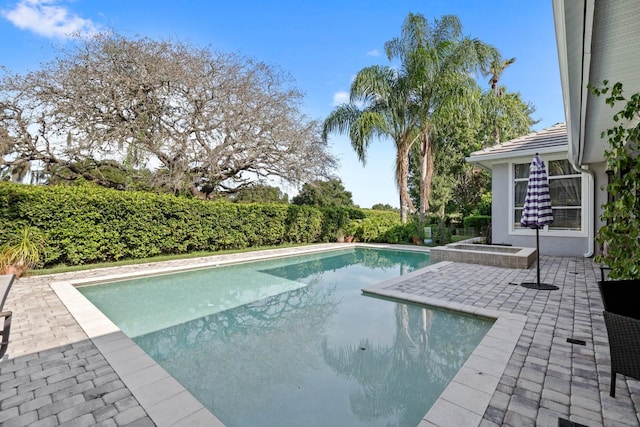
column 4, row 334
column 7, row 324
column 603, row 267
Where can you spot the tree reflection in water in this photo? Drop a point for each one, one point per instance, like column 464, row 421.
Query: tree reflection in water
column 322, row 354
column 267, row 345
column 400, row 381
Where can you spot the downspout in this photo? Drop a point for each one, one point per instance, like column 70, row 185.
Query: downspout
column 591, row 224
column 579, row 166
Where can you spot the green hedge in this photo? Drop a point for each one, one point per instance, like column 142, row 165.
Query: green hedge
column 379, row 226
column 87, row 224
column 338, row 220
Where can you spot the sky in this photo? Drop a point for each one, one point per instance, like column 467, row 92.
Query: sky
column 320, row 44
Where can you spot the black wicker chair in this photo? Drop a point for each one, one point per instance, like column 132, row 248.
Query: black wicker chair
column 5, row 285
column 622, row 319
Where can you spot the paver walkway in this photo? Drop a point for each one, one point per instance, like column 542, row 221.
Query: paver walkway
column 547, row 378
column 54, row 375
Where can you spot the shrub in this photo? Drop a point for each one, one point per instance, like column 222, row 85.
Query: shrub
column 21, row 251
column 376, row 226
column 86, row 224
column 337, row 220
column 477, row 222
column 620, row 236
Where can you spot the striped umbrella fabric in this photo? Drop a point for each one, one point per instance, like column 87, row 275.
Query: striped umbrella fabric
column 537, row 204
column 537, row 212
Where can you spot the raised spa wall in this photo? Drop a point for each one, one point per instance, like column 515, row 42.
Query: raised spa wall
column 494, row 255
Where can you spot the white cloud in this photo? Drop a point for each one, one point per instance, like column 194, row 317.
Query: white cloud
column 374, row 52
column 48, row 18
column 340, row 98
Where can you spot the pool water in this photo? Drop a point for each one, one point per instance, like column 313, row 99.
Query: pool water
column 294, row 342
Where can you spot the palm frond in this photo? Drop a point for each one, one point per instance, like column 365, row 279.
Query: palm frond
column 368, row 125
column 340, row 120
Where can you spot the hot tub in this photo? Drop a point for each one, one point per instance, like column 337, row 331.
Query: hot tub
column 494, row 255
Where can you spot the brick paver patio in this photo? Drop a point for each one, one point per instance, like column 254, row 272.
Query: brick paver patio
column 54, row 375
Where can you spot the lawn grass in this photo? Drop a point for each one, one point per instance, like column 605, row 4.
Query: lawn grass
column 69, row 268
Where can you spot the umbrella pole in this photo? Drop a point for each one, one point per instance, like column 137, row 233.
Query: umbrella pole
column 538, row 285
column 538, row 253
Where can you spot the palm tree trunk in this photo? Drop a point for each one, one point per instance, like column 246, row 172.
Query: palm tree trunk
column 403, row 212
column 402, row 170
column 428, row 181
column 426, row 173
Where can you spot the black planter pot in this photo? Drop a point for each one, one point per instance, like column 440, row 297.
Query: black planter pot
column 621, row 300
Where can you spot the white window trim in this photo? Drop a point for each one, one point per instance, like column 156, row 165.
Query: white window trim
column 584, row 205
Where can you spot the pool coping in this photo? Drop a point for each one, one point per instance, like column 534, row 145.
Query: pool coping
column 168, row 403
column 466, row 398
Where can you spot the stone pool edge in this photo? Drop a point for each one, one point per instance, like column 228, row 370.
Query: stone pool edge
column 168, row 403
column 165, row 400
column 466, row 398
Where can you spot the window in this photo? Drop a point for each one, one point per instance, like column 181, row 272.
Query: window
column 565, row 187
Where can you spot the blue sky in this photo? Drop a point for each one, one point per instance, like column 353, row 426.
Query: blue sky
column 321, row 44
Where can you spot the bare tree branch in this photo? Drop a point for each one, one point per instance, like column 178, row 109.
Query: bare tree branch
column 203, row 121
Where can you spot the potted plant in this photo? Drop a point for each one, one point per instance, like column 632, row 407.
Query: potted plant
column 22, row 251
column 417, row 234
column 620, row 237
column 352, row 229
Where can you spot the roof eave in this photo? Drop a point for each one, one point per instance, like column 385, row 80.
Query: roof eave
column 486, row 161
column 575, row 115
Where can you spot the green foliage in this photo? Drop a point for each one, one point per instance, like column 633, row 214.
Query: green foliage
column 381, row 227
column 457, row 185
column 304, row 224
column 620, row 236
column 337, row 222
column 22, row 249
column 380, row 99
column 260, row 193
column 384, row 207
column 484, row 206
column 323, row 193
column 477, row 222
column 87, row 224
column 400, row 233
column 505, row 113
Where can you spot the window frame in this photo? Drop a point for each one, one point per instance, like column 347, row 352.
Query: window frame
column 584, row 194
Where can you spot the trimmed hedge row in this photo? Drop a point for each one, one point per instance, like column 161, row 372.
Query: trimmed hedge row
column 87, row 224
column 380, row 227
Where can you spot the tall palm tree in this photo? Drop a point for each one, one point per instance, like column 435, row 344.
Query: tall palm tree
column 380, row 106
column 438, row 63
column 496, row 68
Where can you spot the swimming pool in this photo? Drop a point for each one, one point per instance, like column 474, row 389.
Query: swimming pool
column 307, row 349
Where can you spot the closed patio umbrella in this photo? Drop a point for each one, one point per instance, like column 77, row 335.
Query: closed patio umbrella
column 537, row 211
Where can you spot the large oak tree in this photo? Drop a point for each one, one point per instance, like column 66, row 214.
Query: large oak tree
column 180, row 118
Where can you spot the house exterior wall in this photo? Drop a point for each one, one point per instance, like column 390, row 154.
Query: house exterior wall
column 500, row 212
column 500, row 187
column 600, row 184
